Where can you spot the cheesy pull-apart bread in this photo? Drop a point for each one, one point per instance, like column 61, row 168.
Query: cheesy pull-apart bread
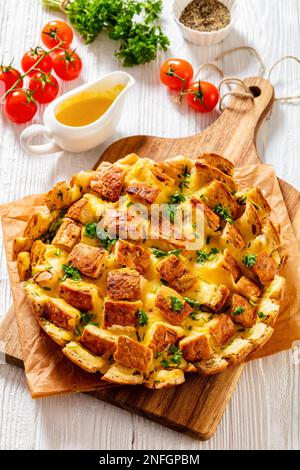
column 144, row 302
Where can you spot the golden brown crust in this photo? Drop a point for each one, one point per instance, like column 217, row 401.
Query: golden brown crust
column 214, row 174
column 256, row 197
column 61, row 315
column 121, row 312
column 109, row 181
column 23, row 265
column 248, row 288
column 79, row 296
column 143, row 192
column 68, row 235
column 265, row 268
column 210, row 218
column 196, row 347
column 233, row 236
column 124, row 284
column 231, row 265
column 97, row 341
column 217, row 161
column 89, row 260
column 133, row 354
column 242, row 312
column 175, row 273
column 79, row 211
column 222, row 329
column 132, row 256
column 217, row 302
column 162, row 336
column 217, row 193
column 172, row 305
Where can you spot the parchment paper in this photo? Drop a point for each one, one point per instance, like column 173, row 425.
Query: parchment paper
column 49, row 372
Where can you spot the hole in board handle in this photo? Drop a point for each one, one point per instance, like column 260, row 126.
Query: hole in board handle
column 255, row 90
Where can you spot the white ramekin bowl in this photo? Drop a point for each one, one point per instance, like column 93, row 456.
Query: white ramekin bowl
column 203, row 38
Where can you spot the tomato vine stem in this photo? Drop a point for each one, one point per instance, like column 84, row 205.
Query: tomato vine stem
column 33, row 67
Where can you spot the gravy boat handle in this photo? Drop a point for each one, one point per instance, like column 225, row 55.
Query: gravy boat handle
column 39, row 149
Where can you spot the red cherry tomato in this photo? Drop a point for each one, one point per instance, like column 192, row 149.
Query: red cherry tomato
column 44, row 87
column 176, row 74
column 9, row 76
column 20, row 106
column 32, row 56
column 67, row 64
column 57, row 30
column 203, row 96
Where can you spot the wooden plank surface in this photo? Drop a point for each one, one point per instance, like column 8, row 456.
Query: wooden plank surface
column 264, row 412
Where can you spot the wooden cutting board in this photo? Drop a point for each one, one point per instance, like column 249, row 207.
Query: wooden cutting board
column 197, row 406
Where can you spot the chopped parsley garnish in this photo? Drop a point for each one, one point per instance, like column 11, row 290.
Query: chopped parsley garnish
column 176, row 304
column 86, row 318
column 185, row 178
column 106, row 241
column 93, row 323
column 170, row 211
column 249, row 260
column 243, row 199
column 164, row 363
column 142, row 318
column 78, row 331
column 261, row 315
column 238, row 311
column 193, row 303
column 70, row 272
column 57, row 252
column 177, row 354
column 193, row 316
column 203, row 256
column 223, row 212
column 160, row 253
column 93, row 231
column 177, row 198
column 90, row 230
column 53, row 227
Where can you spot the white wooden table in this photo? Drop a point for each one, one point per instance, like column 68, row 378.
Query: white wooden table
column 264, row 410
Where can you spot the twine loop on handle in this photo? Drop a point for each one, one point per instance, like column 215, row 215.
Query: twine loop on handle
column 285, row 99
column 253, row 51
column 246, row 93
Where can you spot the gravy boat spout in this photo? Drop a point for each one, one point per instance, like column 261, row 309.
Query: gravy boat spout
column 80, row 138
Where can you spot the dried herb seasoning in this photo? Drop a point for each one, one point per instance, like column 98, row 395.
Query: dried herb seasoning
column 205, row 15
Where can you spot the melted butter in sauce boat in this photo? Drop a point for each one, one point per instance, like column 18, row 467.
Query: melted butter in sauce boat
column 82, row 118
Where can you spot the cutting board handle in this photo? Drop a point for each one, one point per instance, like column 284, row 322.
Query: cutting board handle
column 233, row 134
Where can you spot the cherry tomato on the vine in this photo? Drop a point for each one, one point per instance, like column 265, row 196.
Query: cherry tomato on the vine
column 44, row 87
column 67, row 64
column 9, row 76
column 20, row 106
column 57, row 30
column 32, row 56
column 202, row 96
column 176, row 74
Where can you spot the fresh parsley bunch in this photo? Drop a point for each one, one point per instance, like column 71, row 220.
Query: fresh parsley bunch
column 133, row 22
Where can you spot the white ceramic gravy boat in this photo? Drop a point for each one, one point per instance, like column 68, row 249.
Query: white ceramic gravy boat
column 79, row 139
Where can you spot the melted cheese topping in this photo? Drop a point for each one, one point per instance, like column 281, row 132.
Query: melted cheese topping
column 206, row 263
